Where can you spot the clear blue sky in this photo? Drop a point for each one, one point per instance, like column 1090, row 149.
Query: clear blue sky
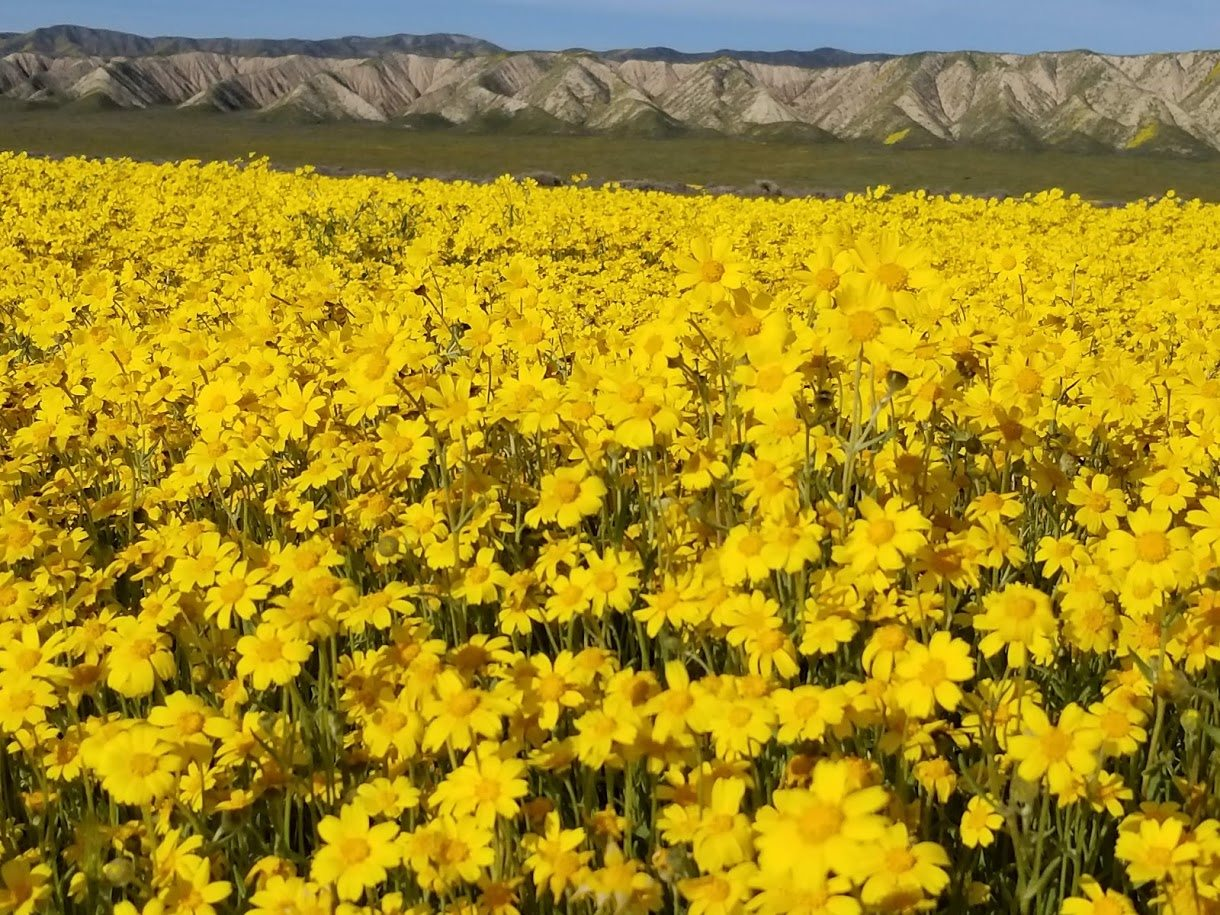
column 1113, row 26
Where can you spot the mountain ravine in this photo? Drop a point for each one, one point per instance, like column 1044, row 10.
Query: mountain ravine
column 1167, row 103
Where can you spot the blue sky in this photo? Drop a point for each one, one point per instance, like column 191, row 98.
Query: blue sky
column 1113, row 26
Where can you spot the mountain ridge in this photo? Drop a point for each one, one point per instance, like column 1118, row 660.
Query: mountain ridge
column 83, row 41
column 1080, row 100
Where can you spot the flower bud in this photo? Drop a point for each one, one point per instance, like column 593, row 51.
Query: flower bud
column 119, row 872
column 1190, row 720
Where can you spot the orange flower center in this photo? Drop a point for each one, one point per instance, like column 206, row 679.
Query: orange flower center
column 353, row 849
column 1106, row 905
column 751, row 545
column 1115, row 724
column 142, row 648
column 826, row 278
column 899, row 860
column 463, row 703
column 771, row 641
column 1021, row 608
column 1152, row 546
column 934, row 672
column 631, row 392
column 375, row 366
column 720, row 823
column 231, row 591
column 646, row 410
column 488, row 789
column 455, row 851
column 881, row 530
column 270, row 650
column 20, row 700
column 498, row 895
column 739, row 716
column 1159, row 857
column 863, row 326
column 807, row 707
column 891, row 638
column 893, row 276
column 820, row 822
column 770, row 379
column 746, row 325
column 1028, row 381
column 1056, row 743
column 551, row 687
column 191, row 723
column 566, row 491
column 678, row 703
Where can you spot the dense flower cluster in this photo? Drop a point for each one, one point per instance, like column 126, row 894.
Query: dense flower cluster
column 400, row 547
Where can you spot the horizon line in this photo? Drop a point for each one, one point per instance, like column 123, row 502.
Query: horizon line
column 581, row 48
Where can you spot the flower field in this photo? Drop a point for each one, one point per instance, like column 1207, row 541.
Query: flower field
column 409, row 547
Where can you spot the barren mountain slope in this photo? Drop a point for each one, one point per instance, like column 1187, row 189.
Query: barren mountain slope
column 1077, row 99
column 80, row 41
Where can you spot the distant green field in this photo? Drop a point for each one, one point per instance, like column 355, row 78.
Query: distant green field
column 795, row 166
